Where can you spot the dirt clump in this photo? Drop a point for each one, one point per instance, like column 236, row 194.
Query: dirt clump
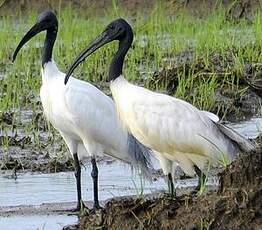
column 236, row 205
column 30, row 159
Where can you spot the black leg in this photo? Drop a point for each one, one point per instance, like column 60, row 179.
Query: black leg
column 94, row 175
column 201, row 179
column 78, row 181
column 170, row 184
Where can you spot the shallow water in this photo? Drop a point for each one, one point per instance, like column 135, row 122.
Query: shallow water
column 34, row 222
column 115, row 179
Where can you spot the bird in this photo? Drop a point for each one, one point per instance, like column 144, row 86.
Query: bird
column 174, row 129
column 85, row 117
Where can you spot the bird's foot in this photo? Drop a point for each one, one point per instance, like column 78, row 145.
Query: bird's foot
column 96, row 208
column 81, row 209
column 197, row 191
column 84, row 210
column 96, row 216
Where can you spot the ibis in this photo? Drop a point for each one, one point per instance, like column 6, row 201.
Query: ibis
column 176, row 130
column 84, row 116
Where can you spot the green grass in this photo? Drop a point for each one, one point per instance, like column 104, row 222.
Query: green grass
column 203, row 181
column 158, row 37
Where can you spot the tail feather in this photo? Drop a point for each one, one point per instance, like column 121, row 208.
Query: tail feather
column 242, row 143
column 141, row 155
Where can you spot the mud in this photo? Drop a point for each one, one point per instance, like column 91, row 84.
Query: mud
column 236, row 205
column 38, row 149
column 32, row 159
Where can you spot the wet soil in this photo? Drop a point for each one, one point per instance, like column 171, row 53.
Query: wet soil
column 236, row 205
column 33, row 159
column 40, row 148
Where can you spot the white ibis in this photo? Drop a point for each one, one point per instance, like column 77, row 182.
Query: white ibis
column 84, row 116
column 175, row 129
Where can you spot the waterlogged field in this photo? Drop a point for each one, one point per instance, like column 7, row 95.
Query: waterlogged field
column 206, row 60
column 200, row 59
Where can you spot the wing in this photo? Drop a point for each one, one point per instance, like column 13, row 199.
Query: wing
column 168, row 124
column 84, row 100
column 93, row 113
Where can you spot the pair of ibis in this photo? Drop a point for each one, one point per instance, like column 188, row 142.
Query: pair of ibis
column 138, row 122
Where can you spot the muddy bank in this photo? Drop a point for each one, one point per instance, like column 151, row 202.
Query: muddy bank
column 33, row 159
column 22, row 147
column 41, row 149
column 29, row 143
column 236, row 205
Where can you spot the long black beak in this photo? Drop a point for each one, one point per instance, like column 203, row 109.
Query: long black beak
column 37, row 28
column 101, row 40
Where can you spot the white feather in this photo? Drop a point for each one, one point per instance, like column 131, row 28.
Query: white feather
column 85, row 116
column 212, row 116
column 170, row 126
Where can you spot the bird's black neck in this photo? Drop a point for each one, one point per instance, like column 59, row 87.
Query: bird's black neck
column 116, row 66
column 49, row 44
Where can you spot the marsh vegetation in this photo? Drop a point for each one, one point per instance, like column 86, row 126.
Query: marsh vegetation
column 204, row 59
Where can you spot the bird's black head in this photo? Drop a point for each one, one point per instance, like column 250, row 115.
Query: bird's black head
column 119, row 30
column 47, row 20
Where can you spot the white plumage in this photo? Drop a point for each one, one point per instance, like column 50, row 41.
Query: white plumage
column 176, row 130
column 170, row 126
column 84, row 116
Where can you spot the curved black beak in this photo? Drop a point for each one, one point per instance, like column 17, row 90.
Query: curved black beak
column 37, row 28
column 101, row 40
